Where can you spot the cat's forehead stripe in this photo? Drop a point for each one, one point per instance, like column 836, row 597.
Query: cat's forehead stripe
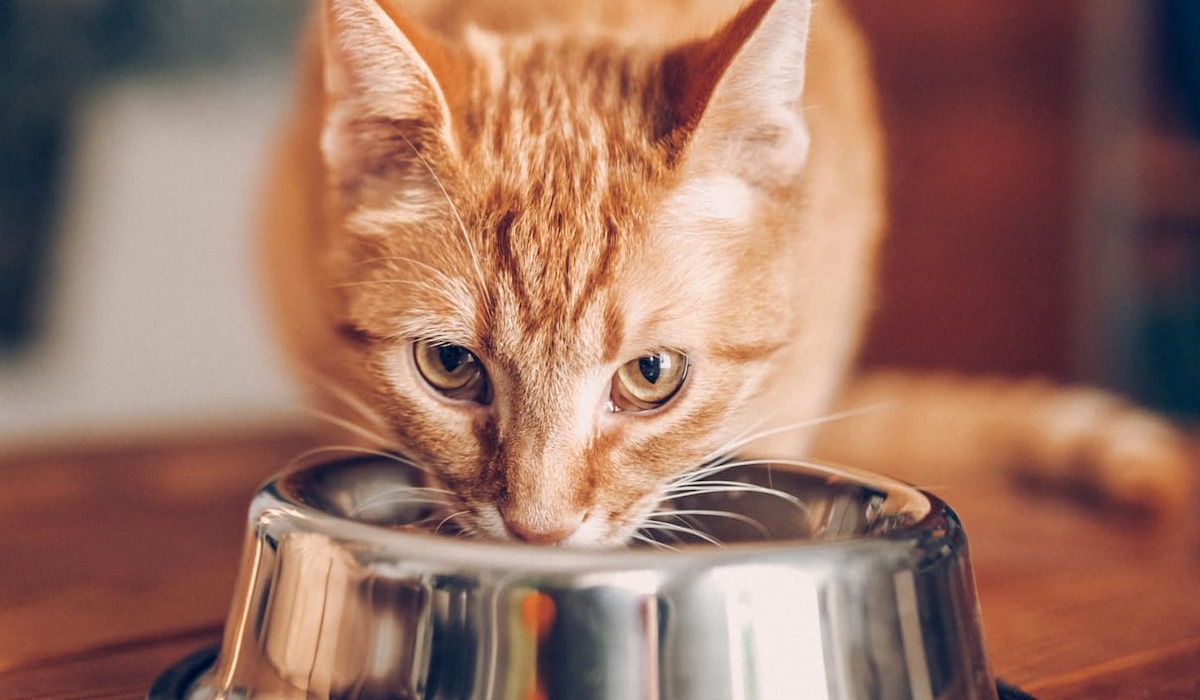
column 557, row 177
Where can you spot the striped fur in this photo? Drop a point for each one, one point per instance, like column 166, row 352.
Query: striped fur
column 561, row 188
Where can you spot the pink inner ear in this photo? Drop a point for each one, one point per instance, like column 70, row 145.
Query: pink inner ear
column 450, row 67
column 690, row 73
column 391, row 67
column 388, row 108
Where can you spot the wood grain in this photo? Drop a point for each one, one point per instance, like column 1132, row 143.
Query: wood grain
column 1064, row 588
column 117, row 672
column 1169, row 672
column 125, row 541
column 120, row 560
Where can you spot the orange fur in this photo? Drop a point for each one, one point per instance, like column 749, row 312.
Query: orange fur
column 561, row 188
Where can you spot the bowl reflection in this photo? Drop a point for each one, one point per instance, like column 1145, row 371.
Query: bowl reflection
column 825, row 584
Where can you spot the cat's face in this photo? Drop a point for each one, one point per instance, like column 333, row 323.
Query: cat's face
column 560, row 282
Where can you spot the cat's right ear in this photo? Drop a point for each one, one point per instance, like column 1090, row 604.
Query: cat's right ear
column 735, row 97
column 387, row 112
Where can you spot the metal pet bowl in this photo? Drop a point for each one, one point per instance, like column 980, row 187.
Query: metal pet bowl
column 859, row 588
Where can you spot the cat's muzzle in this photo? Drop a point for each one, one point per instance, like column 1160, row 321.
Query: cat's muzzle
column 838, row 585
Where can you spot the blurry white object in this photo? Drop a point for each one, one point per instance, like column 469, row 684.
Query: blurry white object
column 155, row 318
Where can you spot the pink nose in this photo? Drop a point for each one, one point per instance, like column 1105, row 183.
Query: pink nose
column 536, row 536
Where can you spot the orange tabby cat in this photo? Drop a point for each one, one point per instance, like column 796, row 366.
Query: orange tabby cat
column 560, row 254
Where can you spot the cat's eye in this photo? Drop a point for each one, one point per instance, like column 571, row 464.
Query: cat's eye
column 452, row 370
column 649, row 381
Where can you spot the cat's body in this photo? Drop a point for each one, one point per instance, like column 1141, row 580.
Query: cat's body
column 560, row 254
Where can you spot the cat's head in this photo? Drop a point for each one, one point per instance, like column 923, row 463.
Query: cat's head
column 562, row 258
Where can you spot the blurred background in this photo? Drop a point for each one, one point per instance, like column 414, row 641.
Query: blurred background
column 132, row 138
column 1045, row 202
column 1045, row 190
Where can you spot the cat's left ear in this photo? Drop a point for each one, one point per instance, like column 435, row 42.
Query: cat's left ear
column 386, row 108
column 735, row 97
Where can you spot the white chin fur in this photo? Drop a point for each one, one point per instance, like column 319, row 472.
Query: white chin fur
column 490, row 523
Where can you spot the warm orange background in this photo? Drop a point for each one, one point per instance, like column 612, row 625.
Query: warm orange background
column 980, row 102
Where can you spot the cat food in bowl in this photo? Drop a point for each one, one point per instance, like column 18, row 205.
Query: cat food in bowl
column 812, row 583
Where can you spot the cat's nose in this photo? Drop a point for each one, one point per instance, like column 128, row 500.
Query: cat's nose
column 539, row 536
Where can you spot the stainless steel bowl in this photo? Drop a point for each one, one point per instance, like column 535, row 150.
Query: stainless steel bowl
column 855, row 586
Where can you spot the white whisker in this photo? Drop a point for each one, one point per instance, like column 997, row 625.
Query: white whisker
column 462, row 227
column 346, row 397
column 815, row 466
column 699, row 473
column 709, row 487
column 371, row 436
column 389, row 280
column 748, row 434
column 683, row 529
column 355, row 450
column 739, row 442
column 649, row 524
column 300, row 459
column 453, row 516
column 653, row 542
column 700, row 512
column 411, row 261
column 402, row 495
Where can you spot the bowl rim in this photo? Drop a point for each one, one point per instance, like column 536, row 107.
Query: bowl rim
column 276, row 499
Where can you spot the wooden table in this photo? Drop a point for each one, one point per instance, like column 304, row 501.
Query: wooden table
column 118, row 560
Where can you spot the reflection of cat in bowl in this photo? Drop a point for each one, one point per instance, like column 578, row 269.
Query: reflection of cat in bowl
column 826, row 584
column 560, row 254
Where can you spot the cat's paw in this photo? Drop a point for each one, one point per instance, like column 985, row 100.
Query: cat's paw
column 1100, row 445
column 1143, row 461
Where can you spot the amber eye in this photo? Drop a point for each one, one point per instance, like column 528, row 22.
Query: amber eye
column 453, row 370
column 649, row 381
